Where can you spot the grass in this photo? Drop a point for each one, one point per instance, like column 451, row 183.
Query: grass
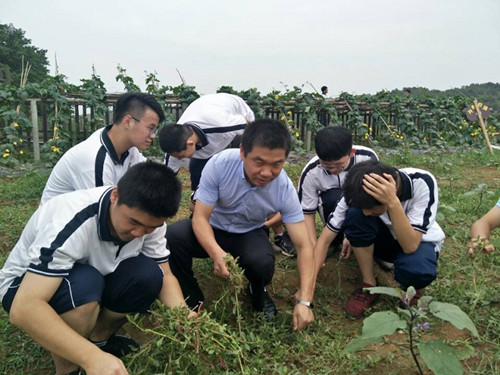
column 216, row 345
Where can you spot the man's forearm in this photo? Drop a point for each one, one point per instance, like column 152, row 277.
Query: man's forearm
column 407, row 237
column 305, row 259
column 41, row 322
column 307, row 274
column 321, row 248
column 309, row 219
column 273, row 220
column 171, row 293
column 480, row 229
column 305, row 266
column 206, row 238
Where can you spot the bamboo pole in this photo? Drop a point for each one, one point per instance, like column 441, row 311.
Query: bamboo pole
column 481, row 122
column 34, row 122
column 308, row 140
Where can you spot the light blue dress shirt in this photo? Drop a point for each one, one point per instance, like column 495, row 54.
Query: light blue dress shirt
column 238, row 206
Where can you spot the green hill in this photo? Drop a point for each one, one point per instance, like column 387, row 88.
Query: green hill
column 484, row 92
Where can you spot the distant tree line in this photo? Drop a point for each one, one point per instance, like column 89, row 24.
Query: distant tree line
column 484, row 92
column 14, row 48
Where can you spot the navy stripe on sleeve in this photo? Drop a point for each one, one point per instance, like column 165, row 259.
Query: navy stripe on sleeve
column 164, row 259
column 303, row 176
column 427, row 213
column 99, row 166
column 224, row 129
column 46, row 253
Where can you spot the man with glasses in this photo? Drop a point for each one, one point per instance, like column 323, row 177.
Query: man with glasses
column 320, row 184
column 108, row 153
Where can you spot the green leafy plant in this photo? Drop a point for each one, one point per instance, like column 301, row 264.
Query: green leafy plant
column 480, row 190
column 440, row 357
column 194, row 345
column 127, row 81
column 94, row 92
column 54, row 91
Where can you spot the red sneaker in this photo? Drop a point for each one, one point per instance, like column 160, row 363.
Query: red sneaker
column 359, row 302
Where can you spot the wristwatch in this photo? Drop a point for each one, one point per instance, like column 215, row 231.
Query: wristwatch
column 305, row 303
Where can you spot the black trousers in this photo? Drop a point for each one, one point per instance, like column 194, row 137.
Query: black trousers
column 132, row 287
column 195, row 168
column 196, row 165
column 253, row 250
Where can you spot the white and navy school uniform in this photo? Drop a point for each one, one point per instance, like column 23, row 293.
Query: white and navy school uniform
column 72, row 229
column 319, row 190
column 420, row 200
column 91, row 163
column 216, row 119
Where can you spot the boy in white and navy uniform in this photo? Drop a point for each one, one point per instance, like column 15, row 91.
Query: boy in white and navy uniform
column 390, row 214
column 75, row 226
column 90, row 251
column 321, row 180
column 208, row 125
column 317, row 183
column 104, row 157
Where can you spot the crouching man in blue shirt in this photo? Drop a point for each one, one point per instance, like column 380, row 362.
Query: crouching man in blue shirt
column 238, row 190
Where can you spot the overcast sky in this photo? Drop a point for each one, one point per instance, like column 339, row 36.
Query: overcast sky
column 358, row 46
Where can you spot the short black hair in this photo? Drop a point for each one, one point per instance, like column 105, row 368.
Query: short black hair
column 150, row 187
column 135, row 103
column 267, row 133
column 333, row 143
column 354, row 194
column 173, row 137
column 324, row 88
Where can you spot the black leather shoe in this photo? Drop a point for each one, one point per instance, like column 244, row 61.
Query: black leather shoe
column 263, row 303
column 119, row 346
column 269, row 307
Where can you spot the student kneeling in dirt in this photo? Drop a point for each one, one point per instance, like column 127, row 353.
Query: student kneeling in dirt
column 88, row 258
column 321, row 180
column 238, row 190
column 391, row 214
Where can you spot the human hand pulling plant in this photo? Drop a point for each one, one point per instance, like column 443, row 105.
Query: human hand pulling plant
column 481, row 229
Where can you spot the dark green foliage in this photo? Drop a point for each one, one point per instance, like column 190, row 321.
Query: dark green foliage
column 13, row 47
column 484, row 92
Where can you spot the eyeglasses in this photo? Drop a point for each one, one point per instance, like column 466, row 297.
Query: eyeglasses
column 337, row 168
column 152, row 131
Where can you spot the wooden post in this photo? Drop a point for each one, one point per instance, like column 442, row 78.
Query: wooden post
column 308, row 140
column 34, row 131
column 481, row 122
